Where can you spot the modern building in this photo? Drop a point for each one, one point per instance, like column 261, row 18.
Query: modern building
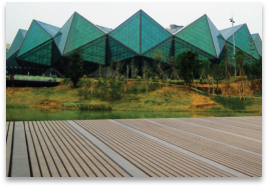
column 45, row 46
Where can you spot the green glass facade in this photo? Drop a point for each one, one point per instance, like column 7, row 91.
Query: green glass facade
column 81, row 32
column 45, row 46
column 198, row 34
column 242, row 41
column 35, row 36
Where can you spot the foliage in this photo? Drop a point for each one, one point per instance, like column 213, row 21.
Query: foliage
column 75, row 67
column 187, row 63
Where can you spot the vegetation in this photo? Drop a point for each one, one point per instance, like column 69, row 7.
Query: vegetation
column 75, row 67
column 157, row 87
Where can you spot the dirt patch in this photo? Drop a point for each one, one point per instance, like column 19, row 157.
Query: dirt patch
column 48, row 104
column 200, row 101
column 12, row 90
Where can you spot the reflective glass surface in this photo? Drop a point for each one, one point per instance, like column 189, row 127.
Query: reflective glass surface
column 151, row 33
column 23, row 32
column 40, row 55
column 16, row 44
column 93, row 51
column 216, row 36
column 128, row 32
column 258, row 44
column 182, row 46
column 117, row 51
column 227, row 33
column 61, row 37
column 165, row 47
column 52, row 30
column 228, row 50
column 11, row 61
column 81, row 33
column 198, row 34
column 242, row 37
column 35, row 36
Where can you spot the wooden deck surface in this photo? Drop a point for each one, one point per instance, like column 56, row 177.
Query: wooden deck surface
column 170, row 147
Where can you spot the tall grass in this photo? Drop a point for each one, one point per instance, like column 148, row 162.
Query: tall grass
column 94, row 107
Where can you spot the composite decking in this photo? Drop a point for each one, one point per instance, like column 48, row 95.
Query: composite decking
column 172, row 147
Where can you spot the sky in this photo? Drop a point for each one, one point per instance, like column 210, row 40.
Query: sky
column 110, row 14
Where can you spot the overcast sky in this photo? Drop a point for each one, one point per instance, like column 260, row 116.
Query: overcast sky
column 20, row 15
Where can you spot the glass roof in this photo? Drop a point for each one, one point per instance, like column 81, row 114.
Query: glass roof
column 16, row 44
column 227, row 33
column 215, row 34
column 105, row 29
column 254, row 36
column 23, row 32
column 61, row 37
column 52, row 30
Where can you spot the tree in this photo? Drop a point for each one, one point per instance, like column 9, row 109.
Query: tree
column 187, row 63
column 217, row 72
column 75, row 67
column 205, row 69
column 172, row 64
column 240, row 58
column 158, row 57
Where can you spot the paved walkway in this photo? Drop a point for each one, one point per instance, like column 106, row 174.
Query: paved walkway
column 173, row 147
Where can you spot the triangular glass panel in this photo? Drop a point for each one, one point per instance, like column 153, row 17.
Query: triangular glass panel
column 227, row 33
column 165, row 47
column 23, row 32
column 41, row 54
column 16, row 44
column 61, row 37
column 117, row 51
column 254, row 36
column 151, row 33
column 217, row 37
column 52, row 30
column 93, row 51
column 81, row 32
column 128, row 33
column 258, row 43
column 11, row 61
column 182, row 46
column 242, row 41
column 35, row 36
column 199, row 35
column 228, row 54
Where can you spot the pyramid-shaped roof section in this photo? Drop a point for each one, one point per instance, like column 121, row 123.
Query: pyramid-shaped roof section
column 23, row 32
column 140, row 32
column 258, row 42
column 16, row 44
column 227, row 33
column 104, row 29
column 61, row 37
column 254, row 36
column 242, row 40
column 198, row 33
column 81, row 32
column 36, row 35
column 217, row 37
column 128, row 33
column 52, row 30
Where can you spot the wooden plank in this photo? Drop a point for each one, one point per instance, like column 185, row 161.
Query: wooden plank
column 40, row 156
column 58, row 163
column 9, row 148
column 7, row 126
column 94, row 154
column 234, row 159
column 32, row 154
column 79, row 165
column 20, row 162
column 57, row 146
